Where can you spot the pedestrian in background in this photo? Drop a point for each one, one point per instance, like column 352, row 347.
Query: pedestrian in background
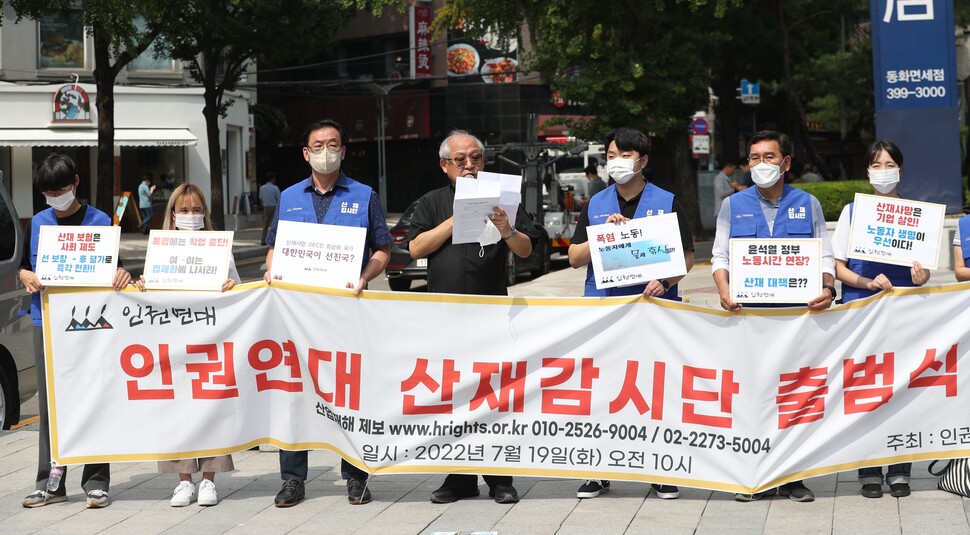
column 269, row 197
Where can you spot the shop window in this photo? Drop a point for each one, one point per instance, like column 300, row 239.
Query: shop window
column 165, row 164
column 60, row 40
column 150, row 60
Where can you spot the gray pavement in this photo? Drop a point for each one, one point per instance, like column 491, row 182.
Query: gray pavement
column 140, row 496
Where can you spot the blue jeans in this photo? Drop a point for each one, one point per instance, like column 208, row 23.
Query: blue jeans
column 897, row 473
column 146, row 218
column 293, row 465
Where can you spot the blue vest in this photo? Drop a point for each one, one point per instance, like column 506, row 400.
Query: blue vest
column 965, row 238
column 900, row 276
column 348, row 208
column 794, row 218
column 92, row 218
column 653, row 201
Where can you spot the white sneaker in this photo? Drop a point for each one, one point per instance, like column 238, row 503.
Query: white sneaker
column 207, row 493
column 183, row 494
column 97, row 499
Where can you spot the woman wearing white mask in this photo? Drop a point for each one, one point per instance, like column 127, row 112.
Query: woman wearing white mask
column 187, row 211
column 862, row 278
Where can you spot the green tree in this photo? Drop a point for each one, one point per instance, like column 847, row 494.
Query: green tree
column 638, row 64
column 117, row 41
column 219, row 39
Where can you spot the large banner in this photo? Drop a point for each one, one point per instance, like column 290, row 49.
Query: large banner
column 615, row 388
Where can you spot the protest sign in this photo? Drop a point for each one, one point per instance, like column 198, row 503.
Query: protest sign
column 329, row 256
column 776, row 270
column 77, row 255
column 636, row 251
column 186, row 260
column 895, row 231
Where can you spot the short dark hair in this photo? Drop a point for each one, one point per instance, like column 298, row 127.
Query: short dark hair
column 784, row 142
column 727, row 164
column 322, row 123
column 55, row 172
column 742, row 162
column 884, row 145
column 629, row 139
column 591, row 169
column 270, row 176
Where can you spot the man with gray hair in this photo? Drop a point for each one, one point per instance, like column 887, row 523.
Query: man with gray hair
column 466, row 268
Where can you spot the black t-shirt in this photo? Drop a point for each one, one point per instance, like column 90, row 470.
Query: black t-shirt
column 629, row 209
column 458, row 268
column 74, row 219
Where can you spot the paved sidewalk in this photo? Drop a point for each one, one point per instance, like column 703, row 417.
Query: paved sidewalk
column 140, row 496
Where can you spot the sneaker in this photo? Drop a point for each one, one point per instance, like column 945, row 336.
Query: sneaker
column 357, row 493
column 739, row 497
column 503, row 494
column 666, row 492
column 872, row 490
column 449, row 494
column 183, row 494
column 593, row 488
column 40, row 498
column 796, row 491
column 207, row 493
column 97, row 499
column 899, row 490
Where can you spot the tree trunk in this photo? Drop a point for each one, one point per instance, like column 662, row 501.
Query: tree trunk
column 674, row 170
column 216, row 197
column 104, row 77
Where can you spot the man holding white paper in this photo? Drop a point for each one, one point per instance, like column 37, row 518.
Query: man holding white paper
column 771, row 210
column 328, row 196
column 467, row 268
column 630, row 197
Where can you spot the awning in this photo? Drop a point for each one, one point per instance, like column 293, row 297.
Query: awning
column 124, row 137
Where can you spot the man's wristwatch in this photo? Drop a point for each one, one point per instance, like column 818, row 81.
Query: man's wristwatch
column 831, row 290
column 664, row 283
column 510, row 234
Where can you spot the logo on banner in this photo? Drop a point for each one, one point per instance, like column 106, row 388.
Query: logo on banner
column 88, row 325
column 72, row 105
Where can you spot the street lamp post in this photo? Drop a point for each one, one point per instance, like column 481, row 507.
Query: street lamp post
column 381, row 91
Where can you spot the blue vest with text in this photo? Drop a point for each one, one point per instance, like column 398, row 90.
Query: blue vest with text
column 900, row 276
column 348, row 208
column 92, row 218
column 965, row 238
column 653, row 201
column 794, row 218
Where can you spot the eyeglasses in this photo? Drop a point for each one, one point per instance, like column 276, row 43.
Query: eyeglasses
column 461, row 161
column 768, row 157
column 316, row 149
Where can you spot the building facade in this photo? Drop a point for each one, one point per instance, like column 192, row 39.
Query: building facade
column 48, row 95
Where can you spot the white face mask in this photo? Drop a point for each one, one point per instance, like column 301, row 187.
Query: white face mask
column 490, row 234
column 884, row 180
column 765, row 174
column 189, row 221
column 325, row 162
column 63, row 201
column 620, row 169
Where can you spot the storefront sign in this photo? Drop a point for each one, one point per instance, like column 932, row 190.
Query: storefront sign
column 895, row 231
column 61, row 40
column 637, row 251
column 77, row 255
column 780, row 270
column 72, row 105
column 650, row 391
column 185, row 260
column 327, row 256
column 419, row 25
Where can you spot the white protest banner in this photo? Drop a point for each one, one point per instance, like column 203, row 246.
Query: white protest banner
column 895, row 231
column 636, row 251
column 77, row 255
column 328, row 256
column 642, row 390
column 776, row 270
column 186, row 260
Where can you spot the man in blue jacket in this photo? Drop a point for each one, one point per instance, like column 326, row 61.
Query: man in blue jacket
column 764, row 212
column 329, row 197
